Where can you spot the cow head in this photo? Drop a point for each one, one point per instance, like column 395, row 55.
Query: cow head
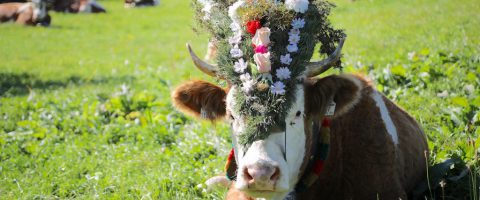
column 269, row 167
column 40, row 12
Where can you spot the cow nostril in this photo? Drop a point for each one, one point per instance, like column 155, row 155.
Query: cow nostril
column 247, row 175
column 275, row 174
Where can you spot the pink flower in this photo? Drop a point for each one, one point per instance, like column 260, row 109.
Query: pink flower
column 261, row 49
column 263, row 62
column 262, row 37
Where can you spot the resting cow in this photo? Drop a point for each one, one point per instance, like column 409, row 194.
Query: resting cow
column 294, row 134
column 376, row 148
column 31, row 13
column 78, row 6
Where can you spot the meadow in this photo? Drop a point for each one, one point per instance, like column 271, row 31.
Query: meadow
column 85, row 107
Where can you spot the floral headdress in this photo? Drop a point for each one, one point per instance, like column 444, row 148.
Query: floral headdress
column 264, row 49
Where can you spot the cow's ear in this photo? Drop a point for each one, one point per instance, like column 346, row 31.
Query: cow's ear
column 200, row 99
column 344, row 90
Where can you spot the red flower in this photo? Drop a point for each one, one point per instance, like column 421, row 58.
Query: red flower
column 252, row 26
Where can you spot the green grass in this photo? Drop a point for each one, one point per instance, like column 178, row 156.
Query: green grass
column 70, row 128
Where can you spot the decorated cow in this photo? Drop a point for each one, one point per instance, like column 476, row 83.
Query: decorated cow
column 140, row 3
column 28, row 13
column 296, row 135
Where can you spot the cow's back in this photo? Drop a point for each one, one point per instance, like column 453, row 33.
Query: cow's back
column 364, row 162
column 8, row 11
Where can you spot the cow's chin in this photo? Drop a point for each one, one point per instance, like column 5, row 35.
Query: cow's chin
column 267, row 194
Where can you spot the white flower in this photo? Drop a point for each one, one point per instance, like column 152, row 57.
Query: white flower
column 294, row 31
column 240, row 66
column 297, row 5
column 207, row 8
column 286, row 59
column 248, row 86
column 245, row 77
column 298, row 23
column 283, row 73
column 293, row 38
column 292, row 48
column 232, row 10
column 236, row 52
column 277, row 88
column 235, row 27
column 235, row 39
column 469, row 88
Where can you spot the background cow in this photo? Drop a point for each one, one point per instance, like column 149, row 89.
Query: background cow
column 31, row 13
column 140, row 3
column 376, row 149
column 77, row 6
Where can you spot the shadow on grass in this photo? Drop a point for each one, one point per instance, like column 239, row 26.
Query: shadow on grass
column 12, row 84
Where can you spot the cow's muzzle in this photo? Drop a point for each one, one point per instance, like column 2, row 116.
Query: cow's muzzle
column 261, row 176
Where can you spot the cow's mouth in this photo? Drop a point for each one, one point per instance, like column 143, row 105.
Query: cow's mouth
column 267, row 194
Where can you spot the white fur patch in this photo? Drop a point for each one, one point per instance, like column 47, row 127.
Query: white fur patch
column 24, row 7
column 272, row 150
column 391, row 129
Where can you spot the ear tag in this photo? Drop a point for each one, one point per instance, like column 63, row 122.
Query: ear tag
column 331, row 109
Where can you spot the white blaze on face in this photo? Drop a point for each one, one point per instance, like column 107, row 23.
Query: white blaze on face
column 290, row 143
column 39, row 9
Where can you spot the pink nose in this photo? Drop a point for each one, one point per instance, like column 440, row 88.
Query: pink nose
column 261, row 176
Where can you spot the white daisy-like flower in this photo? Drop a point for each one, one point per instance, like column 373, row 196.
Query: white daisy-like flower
column 294, row 31
column 297, row 5
column 232, row 10
column 245, row 77
column 235, row 27
column 278, row 88
column 283, row 73
column 293, row 38
column 236, row 52
column 240, row 66
column 235, row 39
column 298, row 23
column 286, row 59
column 207, row 8
column 292, row 48
column 248, row 86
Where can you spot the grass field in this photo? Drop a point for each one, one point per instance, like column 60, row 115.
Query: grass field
column 86, row 113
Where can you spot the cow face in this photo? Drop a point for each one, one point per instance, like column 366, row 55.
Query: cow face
column 270, row 167
column 40, row 12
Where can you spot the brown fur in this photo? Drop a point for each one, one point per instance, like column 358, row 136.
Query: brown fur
column 11, row 12
column 193, row 96
column 363, row 161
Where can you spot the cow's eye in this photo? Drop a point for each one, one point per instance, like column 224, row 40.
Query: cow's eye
column 231, row 117
column 298, row 113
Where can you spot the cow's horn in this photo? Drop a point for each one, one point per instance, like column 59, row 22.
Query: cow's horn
column 202, row 65
column 316, row 68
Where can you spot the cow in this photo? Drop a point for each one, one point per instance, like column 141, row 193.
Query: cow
column 30, row 13
column 78, row 6
column 376, row 149
column 140, row 3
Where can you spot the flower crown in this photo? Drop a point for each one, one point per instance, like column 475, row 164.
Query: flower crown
column 264, row 49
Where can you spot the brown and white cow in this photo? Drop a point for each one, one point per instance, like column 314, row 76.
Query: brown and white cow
column 77, row 6
column 377, row 150
column 30, row 13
